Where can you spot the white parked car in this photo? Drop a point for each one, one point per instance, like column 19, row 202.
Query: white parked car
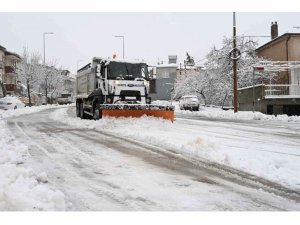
column 11, row 102
column 189, row 102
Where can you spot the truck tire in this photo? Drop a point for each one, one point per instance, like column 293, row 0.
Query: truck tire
column 97, row 114
column 78, row 109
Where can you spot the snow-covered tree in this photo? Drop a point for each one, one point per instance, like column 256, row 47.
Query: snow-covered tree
column 189, row 83
column 31, row 71
column 38, row 77
column 54, row 80
column 215, row 82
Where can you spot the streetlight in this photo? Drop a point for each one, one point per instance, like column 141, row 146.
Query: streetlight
column 44, row 45
column 44, row 34
column 121, row 36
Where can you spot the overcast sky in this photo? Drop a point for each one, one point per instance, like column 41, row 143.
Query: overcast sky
column 150, row 36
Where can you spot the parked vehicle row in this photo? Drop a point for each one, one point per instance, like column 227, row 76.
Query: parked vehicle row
column 11, row 102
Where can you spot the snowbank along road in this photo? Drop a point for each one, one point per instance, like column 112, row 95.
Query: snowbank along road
column 100, row 171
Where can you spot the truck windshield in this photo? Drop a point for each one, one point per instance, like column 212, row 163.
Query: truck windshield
column 127, row 71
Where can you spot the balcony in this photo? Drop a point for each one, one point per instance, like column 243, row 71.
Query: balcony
column 9, row 69
column 10, row 87
column 282, row 91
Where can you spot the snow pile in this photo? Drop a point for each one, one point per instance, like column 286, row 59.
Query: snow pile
column 276, row 160
column 155, row 131
column 26, row 110
column 20, row 187
column 218, row 113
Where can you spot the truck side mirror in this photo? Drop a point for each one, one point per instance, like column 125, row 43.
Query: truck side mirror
column 98, row 71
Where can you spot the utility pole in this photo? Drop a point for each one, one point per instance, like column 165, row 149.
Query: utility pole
column 44, row 45
column 235, row 58
column 28, row 92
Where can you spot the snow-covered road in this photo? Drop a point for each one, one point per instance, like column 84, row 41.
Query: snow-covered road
column 99, row 171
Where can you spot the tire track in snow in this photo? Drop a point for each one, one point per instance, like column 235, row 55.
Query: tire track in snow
column 98, row 189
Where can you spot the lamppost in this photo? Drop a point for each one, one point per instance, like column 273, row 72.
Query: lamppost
column 44, row 45
column 121, row 36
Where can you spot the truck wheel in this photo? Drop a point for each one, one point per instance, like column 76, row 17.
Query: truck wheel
column 78, row 109
column 97, row 114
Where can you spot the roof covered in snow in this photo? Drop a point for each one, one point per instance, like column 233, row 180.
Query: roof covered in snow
column 167, row 65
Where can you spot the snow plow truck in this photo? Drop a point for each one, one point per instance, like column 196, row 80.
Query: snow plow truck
column 108, row 87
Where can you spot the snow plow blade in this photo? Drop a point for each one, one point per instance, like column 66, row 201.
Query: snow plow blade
column 165, row 112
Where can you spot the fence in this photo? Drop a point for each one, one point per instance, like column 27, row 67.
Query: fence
column 282, row 90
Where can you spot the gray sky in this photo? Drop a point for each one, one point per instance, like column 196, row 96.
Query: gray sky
column 150, row 36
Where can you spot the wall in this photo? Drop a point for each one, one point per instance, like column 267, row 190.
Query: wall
column 245, row 99
column 164, row 84
column 275, row 106
column 2, row 55
column 275, row 51
column 278, row 51
column 294, row 48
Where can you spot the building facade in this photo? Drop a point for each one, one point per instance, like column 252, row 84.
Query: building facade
column 278, row 91
column 9, row 70
column 162, row 86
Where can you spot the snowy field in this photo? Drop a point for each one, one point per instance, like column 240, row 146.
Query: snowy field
column 21, row 188
column 273, row 154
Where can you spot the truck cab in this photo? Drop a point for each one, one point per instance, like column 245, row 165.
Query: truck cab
column 126, row 82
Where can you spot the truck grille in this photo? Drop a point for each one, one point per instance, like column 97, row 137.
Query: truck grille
column 136, row 94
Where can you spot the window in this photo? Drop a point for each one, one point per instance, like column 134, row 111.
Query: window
column 127, row 71
column 165, row 75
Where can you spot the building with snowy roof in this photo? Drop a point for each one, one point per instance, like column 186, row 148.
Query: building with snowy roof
column 162, row 86
column 277, row 91
column 8, row 69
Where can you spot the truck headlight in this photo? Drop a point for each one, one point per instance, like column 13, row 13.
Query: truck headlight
column 148, row 100
column 146, row 83
column 109, row 100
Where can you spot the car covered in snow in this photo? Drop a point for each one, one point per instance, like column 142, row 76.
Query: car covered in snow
column 11, row 102
column 189, row 102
